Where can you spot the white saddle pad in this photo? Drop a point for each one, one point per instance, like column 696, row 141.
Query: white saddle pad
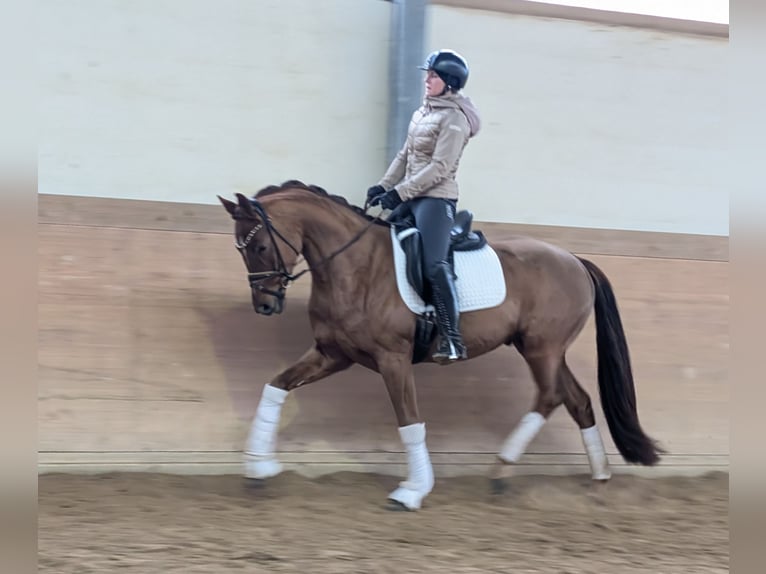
column 480, row 283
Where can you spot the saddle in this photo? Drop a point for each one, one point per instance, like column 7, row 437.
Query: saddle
column 462, row 238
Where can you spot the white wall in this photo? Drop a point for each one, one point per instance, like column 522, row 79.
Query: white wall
column 584, row 125
column 590, row 125
column 178, row 100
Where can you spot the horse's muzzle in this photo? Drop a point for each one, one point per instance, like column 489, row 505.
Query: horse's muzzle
column 267, row 305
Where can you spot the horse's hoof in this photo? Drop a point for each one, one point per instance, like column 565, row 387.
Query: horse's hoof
column 498, row 485
column 254, row 483
column 407, row 498
column 260, row 469
column 396, row 506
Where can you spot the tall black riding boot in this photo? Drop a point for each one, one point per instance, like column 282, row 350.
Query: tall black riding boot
column 451, row 347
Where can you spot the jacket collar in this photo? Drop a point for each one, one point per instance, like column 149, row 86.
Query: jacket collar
column 445, row 101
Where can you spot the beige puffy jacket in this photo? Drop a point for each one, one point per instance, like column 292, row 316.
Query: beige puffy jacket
column 427, row 163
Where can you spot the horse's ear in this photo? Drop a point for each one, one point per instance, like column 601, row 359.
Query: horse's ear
column 229, row 206
column 245, row 205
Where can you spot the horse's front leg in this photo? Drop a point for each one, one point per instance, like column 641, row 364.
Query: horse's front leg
column 400, row 382
column 260, row 459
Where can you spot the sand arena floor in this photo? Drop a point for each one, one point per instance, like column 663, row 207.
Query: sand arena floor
column 338, row 523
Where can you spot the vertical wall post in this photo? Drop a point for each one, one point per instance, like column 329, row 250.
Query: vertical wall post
column 408, row 23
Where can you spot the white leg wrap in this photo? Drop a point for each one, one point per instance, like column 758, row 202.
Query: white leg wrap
column 518, row 441
column 594, row 446
column 260, row 461
column 420, row 479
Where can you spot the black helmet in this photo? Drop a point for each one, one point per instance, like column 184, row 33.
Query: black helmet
column 450, row 66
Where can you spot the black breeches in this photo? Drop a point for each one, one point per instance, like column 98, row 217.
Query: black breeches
column 434, row 218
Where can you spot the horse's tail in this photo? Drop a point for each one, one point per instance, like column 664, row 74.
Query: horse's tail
column 615, row 376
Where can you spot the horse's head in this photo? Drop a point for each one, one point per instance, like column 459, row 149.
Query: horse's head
column 269, row 255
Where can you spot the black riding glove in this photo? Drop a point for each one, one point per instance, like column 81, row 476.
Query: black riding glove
column 387, row 200
column 374, row 191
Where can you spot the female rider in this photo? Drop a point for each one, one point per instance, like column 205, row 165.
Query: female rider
column 423, row 175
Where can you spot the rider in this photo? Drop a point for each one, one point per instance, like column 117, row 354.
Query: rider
column 423, row 175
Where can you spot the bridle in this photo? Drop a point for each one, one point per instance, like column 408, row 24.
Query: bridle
column 256, row 277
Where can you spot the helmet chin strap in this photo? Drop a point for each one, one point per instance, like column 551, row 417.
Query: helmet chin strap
column 446, row 89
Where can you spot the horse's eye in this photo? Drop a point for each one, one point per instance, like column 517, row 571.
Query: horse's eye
column 261, row 248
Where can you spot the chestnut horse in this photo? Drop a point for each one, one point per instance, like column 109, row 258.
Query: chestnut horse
column 358, row 316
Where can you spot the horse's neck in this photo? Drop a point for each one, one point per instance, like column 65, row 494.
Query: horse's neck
column 325, row 231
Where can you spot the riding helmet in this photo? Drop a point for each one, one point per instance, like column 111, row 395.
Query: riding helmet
column 450, row 66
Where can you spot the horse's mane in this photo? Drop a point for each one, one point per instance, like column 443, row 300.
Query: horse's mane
column 340, row 200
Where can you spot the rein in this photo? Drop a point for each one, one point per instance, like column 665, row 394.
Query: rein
column 255, row 277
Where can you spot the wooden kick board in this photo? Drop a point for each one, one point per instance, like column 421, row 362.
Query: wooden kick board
column 151, row 358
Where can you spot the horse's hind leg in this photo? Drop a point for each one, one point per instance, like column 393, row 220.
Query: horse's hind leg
column 260, row 459
column 545, row 369
column 578, row 404
column 556, row 385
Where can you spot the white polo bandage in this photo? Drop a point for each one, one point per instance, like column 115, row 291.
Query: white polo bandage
column 262, row 439
column 420, row 477
column 518, row 441
column 594, row 447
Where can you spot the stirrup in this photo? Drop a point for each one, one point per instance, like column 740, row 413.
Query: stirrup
column 452, row 353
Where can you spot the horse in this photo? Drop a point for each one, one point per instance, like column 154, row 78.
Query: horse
column 358, row 316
